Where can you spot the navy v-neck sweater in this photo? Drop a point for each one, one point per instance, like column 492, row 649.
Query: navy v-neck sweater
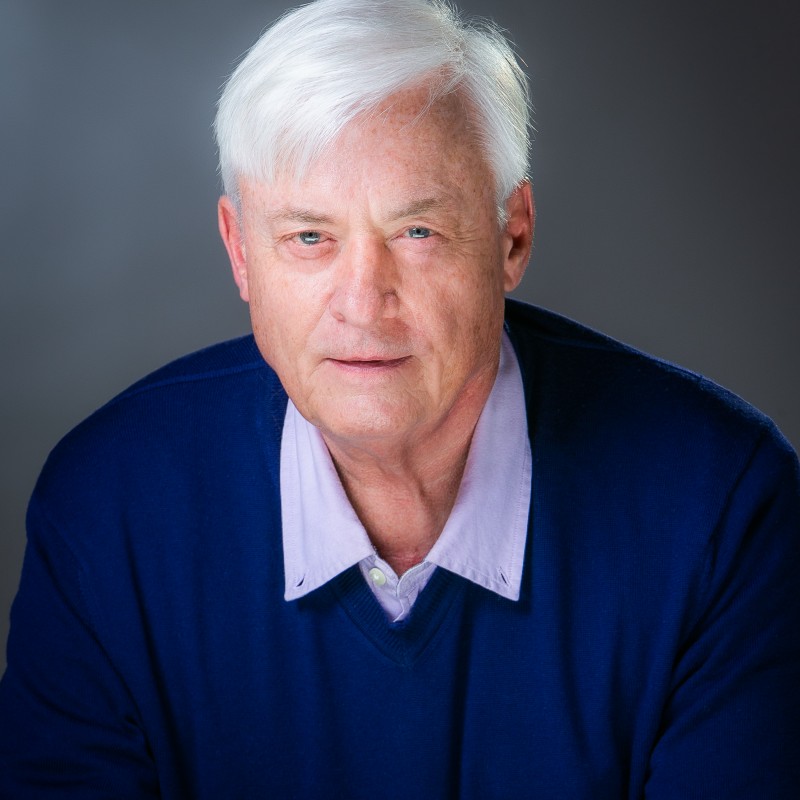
column 654, row 652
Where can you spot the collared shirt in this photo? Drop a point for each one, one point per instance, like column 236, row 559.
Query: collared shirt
column 483, row 540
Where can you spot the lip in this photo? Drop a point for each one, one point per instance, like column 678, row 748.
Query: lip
column 369, row 364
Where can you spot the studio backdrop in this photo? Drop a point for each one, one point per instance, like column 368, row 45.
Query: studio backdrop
column 665, row 168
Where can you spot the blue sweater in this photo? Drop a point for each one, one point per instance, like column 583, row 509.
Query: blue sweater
column 655, row 650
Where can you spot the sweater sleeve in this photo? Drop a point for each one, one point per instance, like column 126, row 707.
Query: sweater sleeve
column 731, row 727
column 68, row 726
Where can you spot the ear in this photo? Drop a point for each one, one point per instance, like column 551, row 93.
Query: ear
column 230, row 229
column 518, row 235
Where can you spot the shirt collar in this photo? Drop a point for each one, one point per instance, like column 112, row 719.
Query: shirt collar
column 484, row 537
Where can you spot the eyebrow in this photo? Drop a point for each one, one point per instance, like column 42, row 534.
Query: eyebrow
column 309, row 217
column 416, row 207
column 299, row 215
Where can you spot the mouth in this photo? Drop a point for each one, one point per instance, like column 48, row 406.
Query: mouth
column 369, row 364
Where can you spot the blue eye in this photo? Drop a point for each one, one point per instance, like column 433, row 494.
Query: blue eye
column 310, row 237
column 419, row 233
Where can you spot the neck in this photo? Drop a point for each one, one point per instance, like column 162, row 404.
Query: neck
column 403, row 490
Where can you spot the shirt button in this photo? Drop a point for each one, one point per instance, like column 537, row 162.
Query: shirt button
column 378, row 578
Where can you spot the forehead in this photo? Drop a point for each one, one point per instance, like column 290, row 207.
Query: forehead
column 407, row 149
column 413, row 113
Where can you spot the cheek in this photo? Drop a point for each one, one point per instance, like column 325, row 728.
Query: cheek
column 269, row 295
column 481, row 311
column 461, row 318
column 284, row 314
column 474, row 295
column 271, row 320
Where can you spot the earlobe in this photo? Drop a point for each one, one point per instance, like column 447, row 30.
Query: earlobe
column 518, row 235
column 230, row 229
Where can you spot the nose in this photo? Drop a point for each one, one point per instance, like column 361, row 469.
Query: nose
column 365, row 290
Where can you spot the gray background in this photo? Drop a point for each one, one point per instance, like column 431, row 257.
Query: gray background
column 665, row 169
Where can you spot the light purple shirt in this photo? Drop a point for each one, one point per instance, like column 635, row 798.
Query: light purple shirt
column 482, row 541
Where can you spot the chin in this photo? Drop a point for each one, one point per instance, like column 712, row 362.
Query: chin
column 359, row 419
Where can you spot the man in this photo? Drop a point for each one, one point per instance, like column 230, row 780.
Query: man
column 411, row 539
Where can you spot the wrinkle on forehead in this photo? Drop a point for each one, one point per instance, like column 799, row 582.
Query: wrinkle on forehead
column 414, row 208
column 405, row 116
column 408, row 108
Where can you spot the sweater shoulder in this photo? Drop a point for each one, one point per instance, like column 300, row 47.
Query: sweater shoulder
column 633, row 455
column 216, row 361
column 596, row 398
column 196, row 413
column 562, row 355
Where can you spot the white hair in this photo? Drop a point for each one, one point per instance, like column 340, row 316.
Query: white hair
column 323, row 64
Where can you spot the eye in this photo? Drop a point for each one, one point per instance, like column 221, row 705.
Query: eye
column 309, row 237
column 419, row 233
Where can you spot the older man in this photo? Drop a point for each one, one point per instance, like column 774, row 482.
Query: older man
column 411, row 539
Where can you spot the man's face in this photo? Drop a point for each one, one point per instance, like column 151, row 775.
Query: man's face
column 376, row 282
